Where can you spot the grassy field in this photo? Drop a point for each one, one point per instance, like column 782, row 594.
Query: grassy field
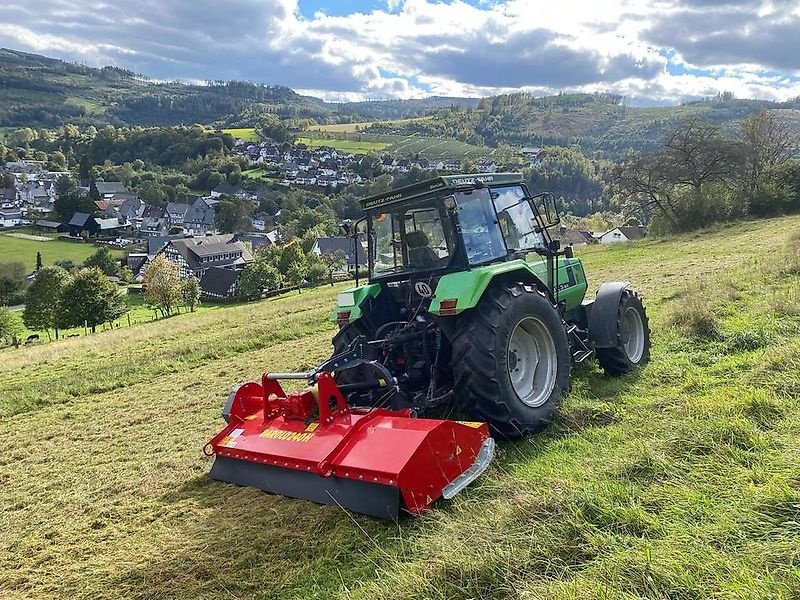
column 16, row 249
column 350, row 145
column 681, row 481
column 247, row 134
column 353, row 127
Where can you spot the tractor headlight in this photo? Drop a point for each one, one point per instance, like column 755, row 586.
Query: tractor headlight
column 345, row 299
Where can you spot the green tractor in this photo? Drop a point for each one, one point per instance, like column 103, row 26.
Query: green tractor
column 472, row 306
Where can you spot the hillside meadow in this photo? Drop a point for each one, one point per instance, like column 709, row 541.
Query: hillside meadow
column 14, row 249
column 681, row 481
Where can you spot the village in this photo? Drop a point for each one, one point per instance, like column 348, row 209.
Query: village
column 187, row 233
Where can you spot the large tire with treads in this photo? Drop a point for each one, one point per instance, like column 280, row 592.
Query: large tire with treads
column 511, row 360
column 632, row 349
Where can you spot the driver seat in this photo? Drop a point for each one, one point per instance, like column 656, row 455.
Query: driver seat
column 420, row 254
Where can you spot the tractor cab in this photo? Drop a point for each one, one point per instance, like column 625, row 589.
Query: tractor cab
column 463, row 222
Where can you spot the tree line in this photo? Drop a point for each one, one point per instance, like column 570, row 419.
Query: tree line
column 700, row 175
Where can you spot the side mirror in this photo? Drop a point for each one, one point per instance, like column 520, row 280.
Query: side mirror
column 547, row 207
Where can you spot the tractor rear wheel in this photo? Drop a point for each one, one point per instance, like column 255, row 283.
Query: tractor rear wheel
column 511, row 360
column 633, row 337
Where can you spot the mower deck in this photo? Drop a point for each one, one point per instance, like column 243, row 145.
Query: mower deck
column 372, row 461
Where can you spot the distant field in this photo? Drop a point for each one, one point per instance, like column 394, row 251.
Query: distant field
column 92, row 108
column 398, row 145
column 15, row 249
column 353, row 127
column 247, row 134
column 354, row 146
column 257, row 174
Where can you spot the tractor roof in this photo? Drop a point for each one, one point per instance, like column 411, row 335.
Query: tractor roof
column 444, row 182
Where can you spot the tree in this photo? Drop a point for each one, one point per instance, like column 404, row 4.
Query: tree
column 257, row 277
column 43, row 299
column 231, row 216
column 90, row 298
column 640, row 182
column 162, row 285
column 84, row 170
column 768, row 141
column 64, row 185
column 696, row 153
column 94, row 193
column 66, row 264
column 151, row 193
column 270, row 127
column 10, row 327
column 190, row 292
column 12, row 278
column 67, row 205
column 297, row 273
column 333, row 261
column 103, row 260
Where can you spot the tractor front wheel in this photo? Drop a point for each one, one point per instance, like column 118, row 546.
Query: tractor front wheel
column 511, row 360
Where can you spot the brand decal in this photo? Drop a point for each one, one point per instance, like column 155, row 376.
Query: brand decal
column 471, row 180
column 289, row 436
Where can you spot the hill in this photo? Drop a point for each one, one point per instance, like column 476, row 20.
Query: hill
column 680, row 481
column 44, row 92
column 594, row 122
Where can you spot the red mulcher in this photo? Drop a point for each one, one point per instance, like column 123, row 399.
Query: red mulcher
column 311, row 444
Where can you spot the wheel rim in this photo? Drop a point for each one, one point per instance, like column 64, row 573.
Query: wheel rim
column 532, row 361
column 633, row 334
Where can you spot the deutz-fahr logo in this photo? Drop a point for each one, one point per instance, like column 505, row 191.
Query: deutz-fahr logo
column 470, row 180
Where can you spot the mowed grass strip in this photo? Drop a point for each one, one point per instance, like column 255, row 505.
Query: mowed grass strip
column 680, row 481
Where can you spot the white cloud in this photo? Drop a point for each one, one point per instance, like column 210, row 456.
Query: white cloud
column 412, row 48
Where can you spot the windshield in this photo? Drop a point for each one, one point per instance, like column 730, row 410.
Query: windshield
column 412, row 238
column 516, row 219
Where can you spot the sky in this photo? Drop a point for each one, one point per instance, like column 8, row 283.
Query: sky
column 651, row 51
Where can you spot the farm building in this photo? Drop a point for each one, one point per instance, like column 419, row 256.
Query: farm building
column 621, row 234
column 195, row 255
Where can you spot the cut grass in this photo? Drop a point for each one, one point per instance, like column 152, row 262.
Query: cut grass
column 680, row 481
column 15, row 249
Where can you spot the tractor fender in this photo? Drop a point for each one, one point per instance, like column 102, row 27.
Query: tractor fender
column 604, row 315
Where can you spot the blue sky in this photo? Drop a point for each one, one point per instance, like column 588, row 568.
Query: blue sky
column 651, row 52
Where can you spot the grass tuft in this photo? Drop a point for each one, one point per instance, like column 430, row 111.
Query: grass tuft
column 694, row 316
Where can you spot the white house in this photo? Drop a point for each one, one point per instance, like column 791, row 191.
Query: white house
column 621, row 234
column 10, row 218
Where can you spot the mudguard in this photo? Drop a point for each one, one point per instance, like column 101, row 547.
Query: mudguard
column 604, row 315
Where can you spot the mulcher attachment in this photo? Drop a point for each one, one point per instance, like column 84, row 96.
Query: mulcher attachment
column 311, row 444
